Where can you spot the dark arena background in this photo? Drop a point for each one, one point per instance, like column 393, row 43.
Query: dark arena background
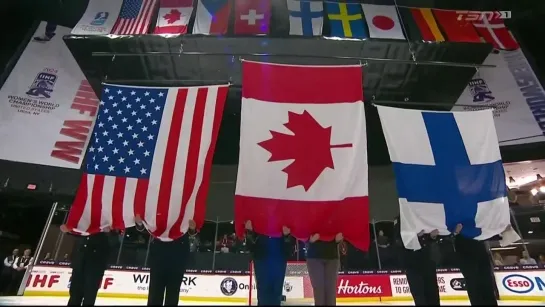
column 414, row 74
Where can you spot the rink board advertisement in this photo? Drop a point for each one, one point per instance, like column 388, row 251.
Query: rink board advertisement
column 127, row 283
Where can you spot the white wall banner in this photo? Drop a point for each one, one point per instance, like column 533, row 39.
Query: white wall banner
column 99, row 17
column 513, row 88
column 47, row 107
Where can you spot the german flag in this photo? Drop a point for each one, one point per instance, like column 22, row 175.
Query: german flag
column 420, row 24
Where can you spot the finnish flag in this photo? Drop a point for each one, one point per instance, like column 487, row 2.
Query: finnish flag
column 306, row 17
column 448, row 171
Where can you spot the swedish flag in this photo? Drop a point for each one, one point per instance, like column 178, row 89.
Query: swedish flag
column 346, row 20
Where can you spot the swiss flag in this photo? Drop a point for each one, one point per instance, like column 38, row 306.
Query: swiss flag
column 303, row 152
column 252, row 16
column 494, row 32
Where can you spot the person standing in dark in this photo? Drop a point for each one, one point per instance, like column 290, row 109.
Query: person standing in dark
column 168, row 261
column 476, row 266
column 89, row 262
column 19, row 268
column 270, row 257
column 472, row 259
column 7, row 271
column 420, row 269
column 323, row 268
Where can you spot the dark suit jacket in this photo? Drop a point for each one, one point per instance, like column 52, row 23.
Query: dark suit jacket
column 92, row 250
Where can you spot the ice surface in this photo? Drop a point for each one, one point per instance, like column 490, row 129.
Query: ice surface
column 59, row 301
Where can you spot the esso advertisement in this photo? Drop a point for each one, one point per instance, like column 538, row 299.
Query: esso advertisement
column 449, row 284
column 364, row 286
column 523, row 283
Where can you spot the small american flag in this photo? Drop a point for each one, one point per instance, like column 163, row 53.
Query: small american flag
column 150, row 154
column 135, row 17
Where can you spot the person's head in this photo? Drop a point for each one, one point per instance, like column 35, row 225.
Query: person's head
column 48, row 255
column 15, row 252
column 497, row 256
column 27, row 252
column 65, row 256
column 225, row 236
column 525, row 255
column 381, row 233
column 541, row 258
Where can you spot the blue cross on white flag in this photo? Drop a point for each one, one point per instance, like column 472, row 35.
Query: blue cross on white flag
column 448, row 171
column 306, row 17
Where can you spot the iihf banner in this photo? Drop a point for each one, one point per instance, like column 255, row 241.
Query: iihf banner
column 515, row 92
column 47, row 108
column 99, row 17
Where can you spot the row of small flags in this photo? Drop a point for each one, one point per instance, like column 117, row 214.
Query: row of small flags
column 306, row 18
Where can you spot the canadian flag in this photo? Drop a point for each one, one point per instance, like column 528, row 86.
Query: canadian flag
column 173, row 16
column 303, row 152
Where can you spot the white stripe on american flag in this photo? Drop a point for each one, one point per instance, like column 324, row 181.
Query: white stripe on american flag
column 128, row 201
column 107, row 201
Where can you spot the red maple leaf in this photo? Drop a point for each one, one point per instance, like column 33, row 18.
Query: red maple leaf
column 173, row 16
column 309, row 147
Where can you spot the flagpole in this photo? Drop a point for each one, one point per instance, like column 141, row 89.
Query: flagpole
column 427, row 104
column 397, row 61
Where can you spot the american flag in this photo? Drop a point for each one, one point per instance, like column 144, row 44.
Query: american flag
column 135, row 17
column 150, row 154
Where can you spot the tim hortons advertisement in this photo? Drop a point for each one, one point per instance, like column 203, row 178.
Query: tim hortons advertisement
column 47, row 107
column 363, row 286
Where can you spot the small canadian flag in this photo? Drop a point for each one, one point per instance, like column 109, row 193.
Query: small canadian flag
column 303, row 152
column 173, row 16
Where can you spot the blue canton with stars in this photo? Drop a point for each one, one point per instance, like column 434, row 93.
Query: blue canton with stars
column 126, row 131
column 130, row 9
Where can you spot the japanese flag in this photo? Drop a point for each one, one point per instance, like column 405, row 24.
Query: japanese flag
column 383, row 21
column 303, row 152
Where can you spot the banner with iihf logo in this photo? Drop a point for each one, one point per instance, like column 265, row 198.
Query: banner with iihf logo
column 514, row 91
column 47, row 107
column 99, row 17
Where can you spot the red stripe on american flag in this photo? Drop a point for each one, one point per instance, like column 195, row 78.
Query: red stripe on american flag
column 140, row 197
column 76, row 211
column 117, row 203
column 202, row 193
column 192, row 161
column 171, row 152
column 96, row 204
